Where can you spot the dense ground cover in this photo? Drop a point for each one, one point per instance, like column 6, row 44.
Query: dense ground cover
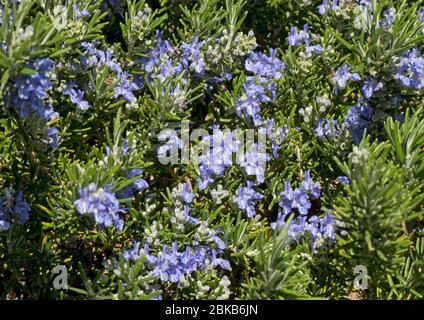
column 211, row 149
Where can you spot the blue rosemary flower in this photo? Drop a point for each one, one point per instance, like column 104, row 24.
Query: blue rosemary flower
column 410, row 70
column 191, row 56
column 342, row 76
column 80, row 13
column 327, row 128
column 101, row 205
column 254, row 163
column 124, row 87
column 369, row 87
column 245, row 197
column 184, row 193
column 294, row 199
column 133, row 253
column 138, row 185
column 13, row 209
column 30, row 91
column 343, row 180
column 318, row 229
column 421, row 18
column 53, row 137
column 297, row 38
column 325, row 7
column 265, row 67
column 76, row 96
column 359, row 118
column 173, row 265
column 310, row 186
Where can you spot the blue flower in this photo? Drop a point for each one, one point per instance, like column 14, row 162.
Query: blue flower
column 245, row 197
column 327, row 128
column 359, row 118
column 80, row 13
column 172, row 265
column 310, row 186
column 421, row 18
column 191, row 56
column 213, row 163
column 295, row 38
column 76, row 96
column 137, row 185
column 410, row 70
column 249, row 104
column 30, row 91
column 173, row 143
column 4, row 224
column 125, row 87
column 53, row 137
column 313, row 49
column 265, row 67
column 342, row 76
column 218, row 241
column 294, row 199
column 389, row 17
column 133, row 253
column 327, row 227
column 315, row 227
column 184, row 193
column 261, row 87
column 343, row 180
column 13, row 208
column 254, row 163
column 101, row 205
column 324, row 7
column 224, row 264
column 369, row 87
column 161, row 62
column 94, row 57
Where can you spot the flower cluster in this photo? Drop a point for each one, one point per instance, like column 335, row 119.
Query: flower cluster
column 218, row 156
column 319, row 229
column 31, row 91
column 245, row 197
column 76, row 96
column 159, row 63
column 13, row 208
column 342, row 76
column 300, row 199
column 259, row 87
column 124, row 87
column 296, row 38
column 410, row 70
column 191, row 57
column 101, row 205
column 173, row 265
column 253, row 162
column 326, row 6
column 29, row 96
column 359, row 118
column 327, row 128
column 138, row 185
